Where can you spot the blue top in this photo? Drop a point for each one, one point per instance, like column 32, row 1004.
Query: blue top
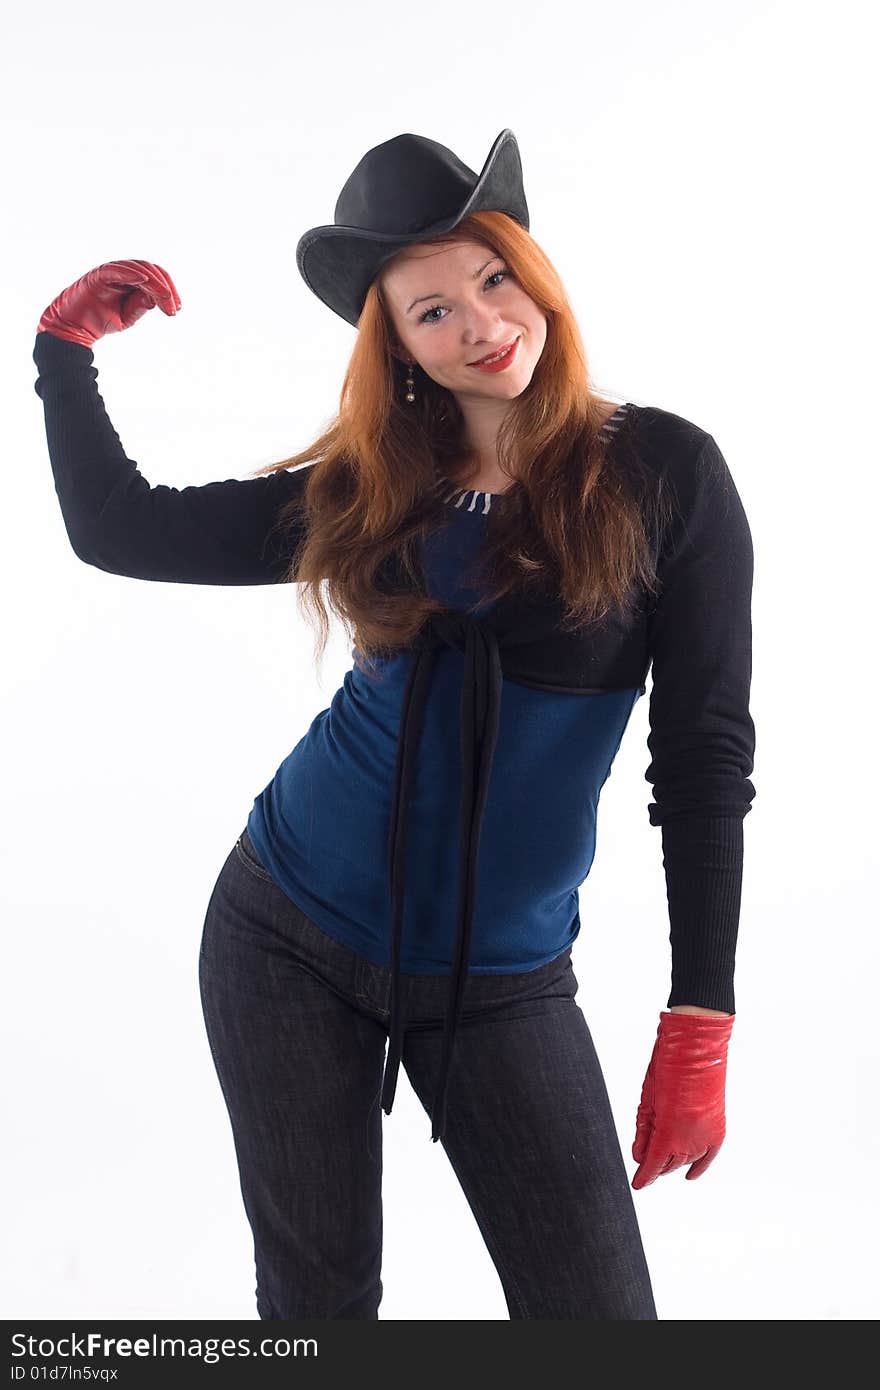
column 321, row 824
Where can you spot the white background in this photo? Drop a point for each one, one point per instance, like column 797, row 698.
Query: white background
column 700, row 175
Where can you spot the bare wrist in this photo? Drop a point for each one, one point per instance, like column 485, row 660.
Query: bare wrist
column 698, row 1009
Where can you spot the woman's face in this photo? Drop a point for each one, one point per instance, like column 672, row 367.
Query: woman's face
column 451, row 305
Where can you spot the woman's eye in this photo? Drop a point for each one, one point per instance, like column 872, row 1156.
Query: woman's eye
column 494, row 276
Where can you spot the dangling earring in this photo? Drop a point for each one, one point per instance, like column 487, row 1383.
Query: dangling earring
column 410, row 394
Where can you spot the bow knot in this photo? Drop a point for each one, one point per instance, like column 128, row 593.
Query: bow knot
column 450, row 626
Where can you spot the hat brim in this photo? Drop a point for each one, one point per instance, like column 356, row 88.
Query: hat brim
column 338, row 263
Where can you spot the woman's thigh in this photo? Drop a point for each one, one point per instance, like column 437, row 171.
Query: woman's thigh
column 300, row 1068
column 531, row 1137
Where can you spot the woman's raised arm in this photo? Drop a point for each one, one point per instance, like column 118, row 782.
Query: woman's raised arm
column 216, row 533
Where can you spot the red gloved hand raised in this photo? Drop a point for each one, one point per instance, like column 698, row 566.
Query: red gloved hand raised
column 108, row 299
column 680, row 1117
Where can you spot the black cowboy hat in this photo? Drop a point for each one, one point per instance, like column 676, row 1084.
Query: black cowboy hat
column 403, row 191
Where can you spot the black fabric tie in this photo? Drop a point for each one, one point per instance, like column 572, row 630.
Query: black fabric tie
column 480, row 708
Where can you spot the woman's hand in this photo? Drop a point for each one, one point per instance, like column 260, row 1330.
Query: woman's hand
column 108, row 299
column 680, row 1117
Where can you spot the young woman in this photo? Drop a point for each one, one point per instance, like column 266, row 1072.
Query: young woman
column 512, row 553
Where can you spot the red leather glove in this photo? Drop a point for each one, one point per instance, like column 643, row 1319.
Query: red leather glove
column 680, row 1118
column 108, row 299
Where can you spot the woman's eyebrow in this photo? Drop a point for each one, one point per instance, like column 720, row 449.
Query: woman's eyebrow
column 435, row 294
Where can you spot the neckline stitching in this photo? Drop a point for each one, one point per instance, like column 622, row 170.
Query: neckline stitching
column 460, row 493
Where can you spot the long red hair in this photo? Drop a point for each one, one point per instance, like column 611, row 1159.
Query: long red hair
column 572, row 519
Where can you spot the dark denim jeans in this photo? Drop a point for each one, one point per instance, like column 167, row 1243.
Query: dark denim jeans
column 298, row 1026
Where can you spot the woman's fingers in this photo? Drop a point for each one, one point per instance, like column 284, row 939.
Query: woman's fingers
column 164, row 287
column 702, row 1163
column 131, row 274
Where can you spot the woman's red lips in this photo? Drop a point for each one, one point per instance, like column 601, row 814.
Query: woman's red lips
column 505, row 347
